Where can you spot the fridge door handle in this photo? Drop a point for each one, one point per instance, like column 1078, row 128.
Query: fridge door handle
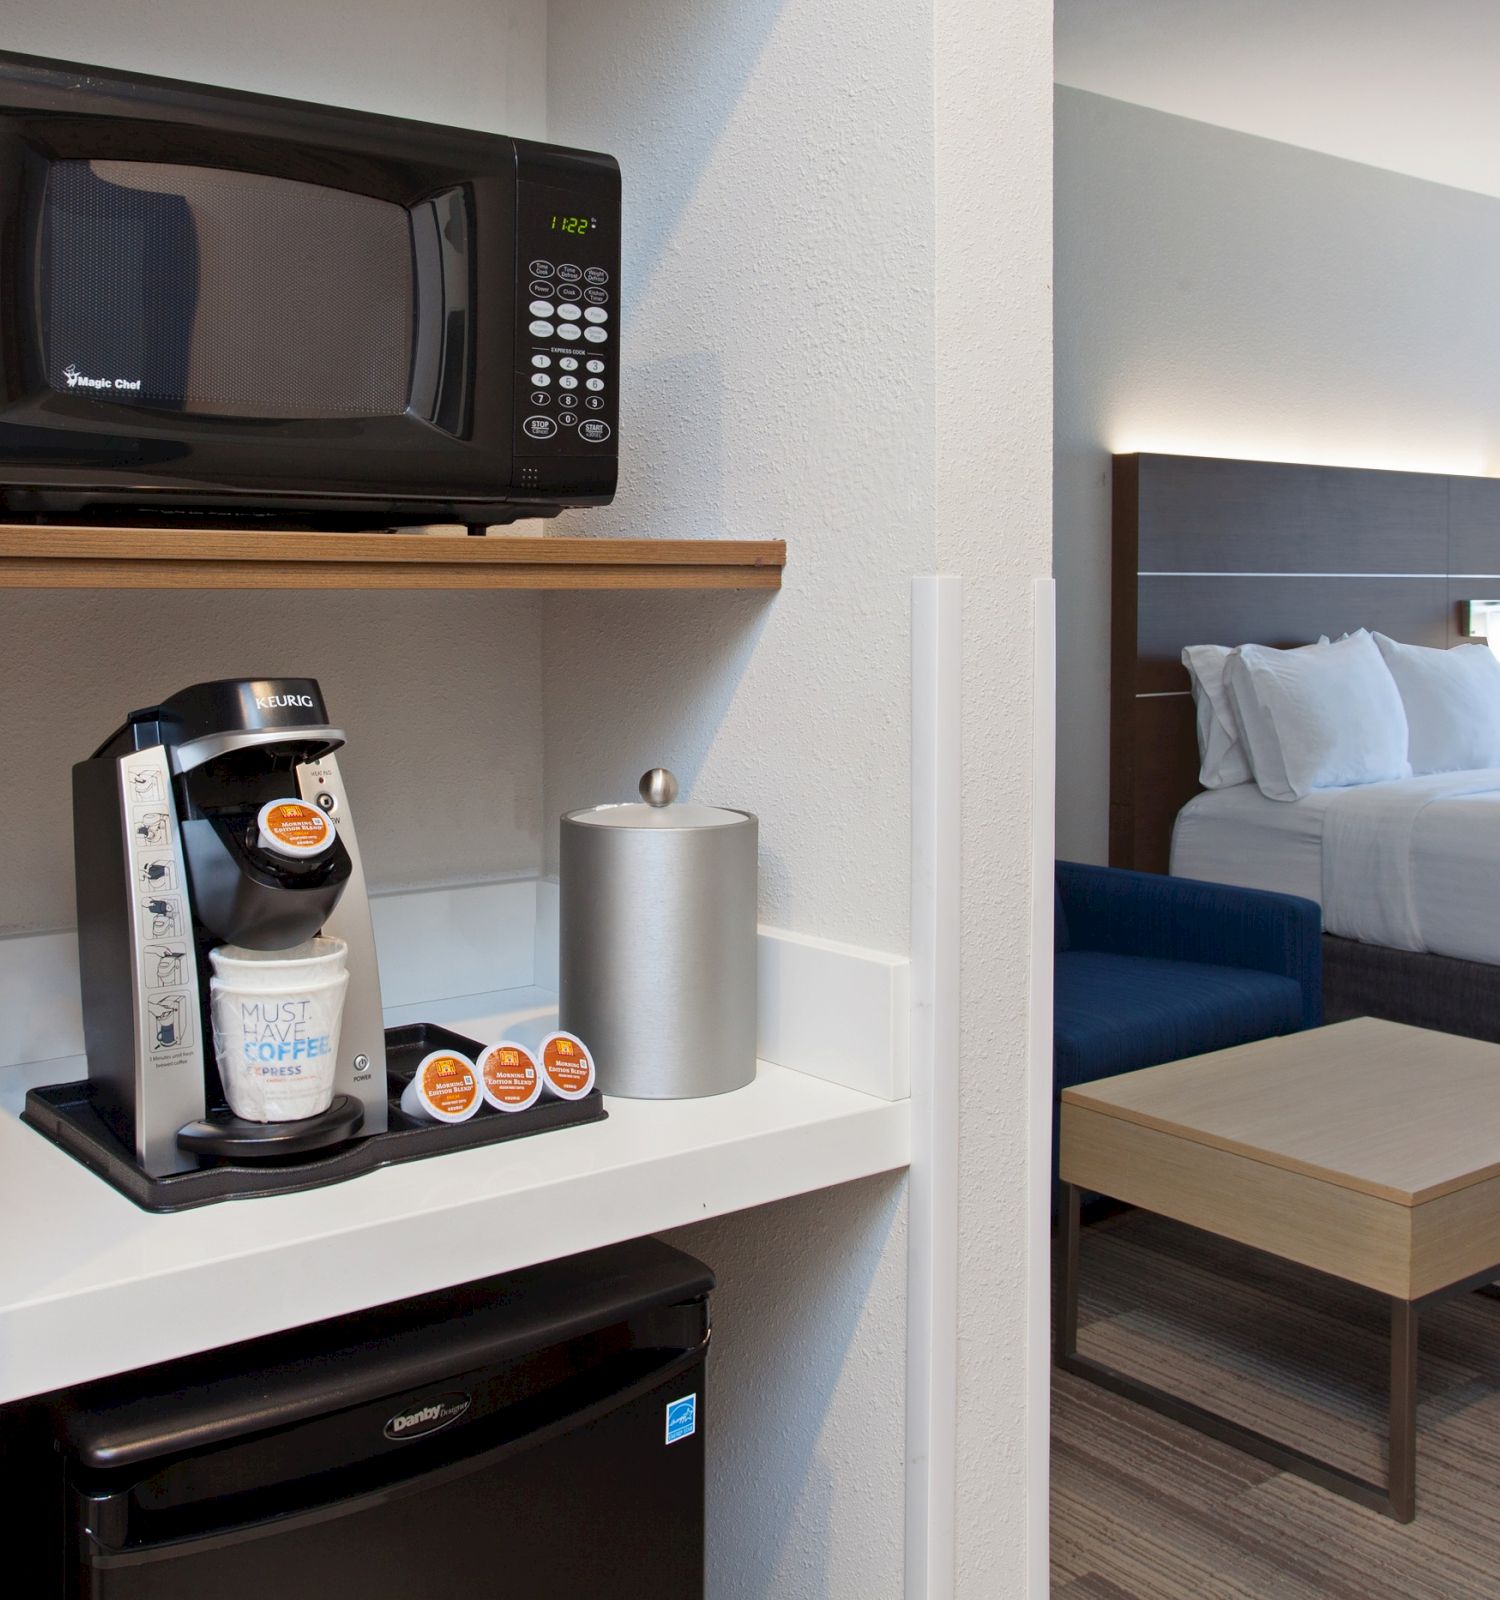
column 101, row 1556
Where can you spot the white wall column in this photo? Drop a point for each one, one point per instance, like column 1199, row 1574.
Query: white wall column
column 993, row 265
column 932, row 1284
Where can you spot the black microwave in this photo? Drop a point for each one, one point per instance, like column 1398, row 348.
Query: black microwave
column 218, row 307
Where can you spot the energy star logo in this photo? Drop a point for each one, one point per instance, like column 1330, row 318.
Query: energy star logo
column 682, row 1418
column 78, row 380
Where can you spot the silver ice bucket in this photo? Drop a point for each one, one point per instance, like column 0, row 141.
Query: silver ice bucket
column 657, row 943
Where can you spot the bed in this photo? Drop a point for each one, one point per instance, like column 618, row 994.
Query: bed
column 1410, row 865
column 1407, row 872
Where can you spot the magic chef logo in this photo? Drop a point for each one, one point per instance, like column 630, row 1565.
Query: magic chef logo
column 78, row 380
column 428, row 1418
column 278, row 702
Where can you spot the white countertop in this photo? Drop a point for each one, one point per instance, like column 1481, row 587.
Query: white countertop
column 90, row 1284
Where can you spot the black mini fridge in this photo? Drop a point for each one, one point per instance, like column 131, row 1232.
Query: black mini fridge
column 534, row 1435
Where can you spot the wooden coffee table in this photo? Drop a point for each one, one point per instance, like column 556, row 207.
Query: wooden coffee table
column 1367, row 1150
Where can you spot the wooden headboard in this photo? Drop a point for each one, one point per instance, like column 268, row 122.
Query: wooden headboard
column 1208, row 551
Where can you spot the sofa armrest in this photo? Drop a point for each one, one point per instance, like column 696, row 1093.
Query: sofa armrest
column 1181, row 919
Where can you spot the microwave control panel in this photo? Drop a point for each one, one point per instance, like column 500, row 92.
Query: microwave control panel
column 567, row 338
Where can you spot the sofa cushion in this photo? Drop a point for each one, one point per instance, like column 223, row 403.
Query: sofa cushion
column 1059, row 919
column 1114, row 1013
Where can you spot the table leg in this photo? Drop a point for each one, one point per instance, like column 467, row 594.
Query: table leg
column 1065, row 1276
column 1395, row 1498
column 1401, row 1472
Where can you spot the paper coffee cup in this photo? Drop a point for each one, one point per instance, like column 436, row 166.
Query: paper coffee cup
column 316, row 960
column 277, row 1046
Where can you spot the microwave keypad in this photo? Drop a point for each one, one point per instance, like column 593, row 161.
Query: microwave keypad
column 565, row 384
column 556, row 314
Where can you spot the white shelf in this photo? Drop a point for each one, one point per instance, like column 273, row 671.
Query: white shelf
column 90, row 1284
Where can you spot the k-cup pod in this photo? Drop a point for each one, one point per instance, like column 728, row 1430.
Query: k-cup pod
column 276, row 1038
column 295, row 830
column 567, row 1067
column 444, row 1088
column 508, row 1077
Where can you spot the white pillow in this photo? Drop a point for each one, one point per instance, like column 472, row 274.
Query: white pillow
column 1223, row 758
column 1221, row 755
column 1452, row 700
column 1318, row 719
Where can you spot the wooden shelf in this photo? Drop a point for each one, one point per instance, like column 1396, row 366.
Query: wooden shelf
column 178, row 558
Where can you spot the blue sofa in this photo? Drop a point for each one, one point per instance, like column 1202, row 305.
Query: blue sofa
column 1152, row 969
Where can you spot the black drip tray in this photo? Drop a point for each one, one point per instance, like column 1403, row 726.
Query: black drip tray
column 227, row 1137
column 65, row 1114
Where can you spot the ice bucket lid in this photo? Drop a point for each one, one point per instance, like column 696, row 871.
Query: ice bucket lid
column 655, row 809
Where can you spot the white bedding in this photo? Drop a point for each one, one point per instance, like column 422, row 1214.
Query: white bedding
column 1413, row 864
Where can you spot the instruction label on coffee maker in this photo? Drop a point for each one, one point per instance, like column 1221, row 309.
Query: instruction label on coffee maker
column 167, row 1043
column 166, row 978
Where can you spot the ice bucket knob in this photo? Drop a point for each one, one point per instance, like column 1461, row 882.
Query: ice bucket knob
column 658, row 787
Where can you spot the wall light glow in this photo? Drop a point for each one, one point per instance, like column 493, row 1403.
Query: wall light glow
column 1461, row 464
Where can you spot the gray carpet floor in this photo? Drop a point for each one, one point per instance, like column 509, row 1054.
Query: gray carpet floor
column 1144, row 1509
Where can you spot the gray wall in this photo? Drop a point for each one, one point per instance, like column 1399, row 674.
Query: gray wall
column 1219, row 294
column 440, row 693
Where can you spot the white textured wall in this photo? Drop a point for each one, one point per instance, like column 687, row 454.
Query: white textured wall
column 835, row 280
column 805, row 1386
column 1219, row 294
column 444, row 727
column 470, row 63
column 836, row 264
column 993, row 520
column 777, row 384
column 439, row 693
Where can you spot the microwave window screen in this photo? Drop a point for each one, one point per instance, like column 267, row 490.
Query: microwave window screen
column 201, row 290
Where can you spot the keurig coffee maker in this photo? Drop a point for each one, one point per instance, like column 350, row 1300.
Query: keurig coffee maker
column 172, row 862
column 225, row 943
